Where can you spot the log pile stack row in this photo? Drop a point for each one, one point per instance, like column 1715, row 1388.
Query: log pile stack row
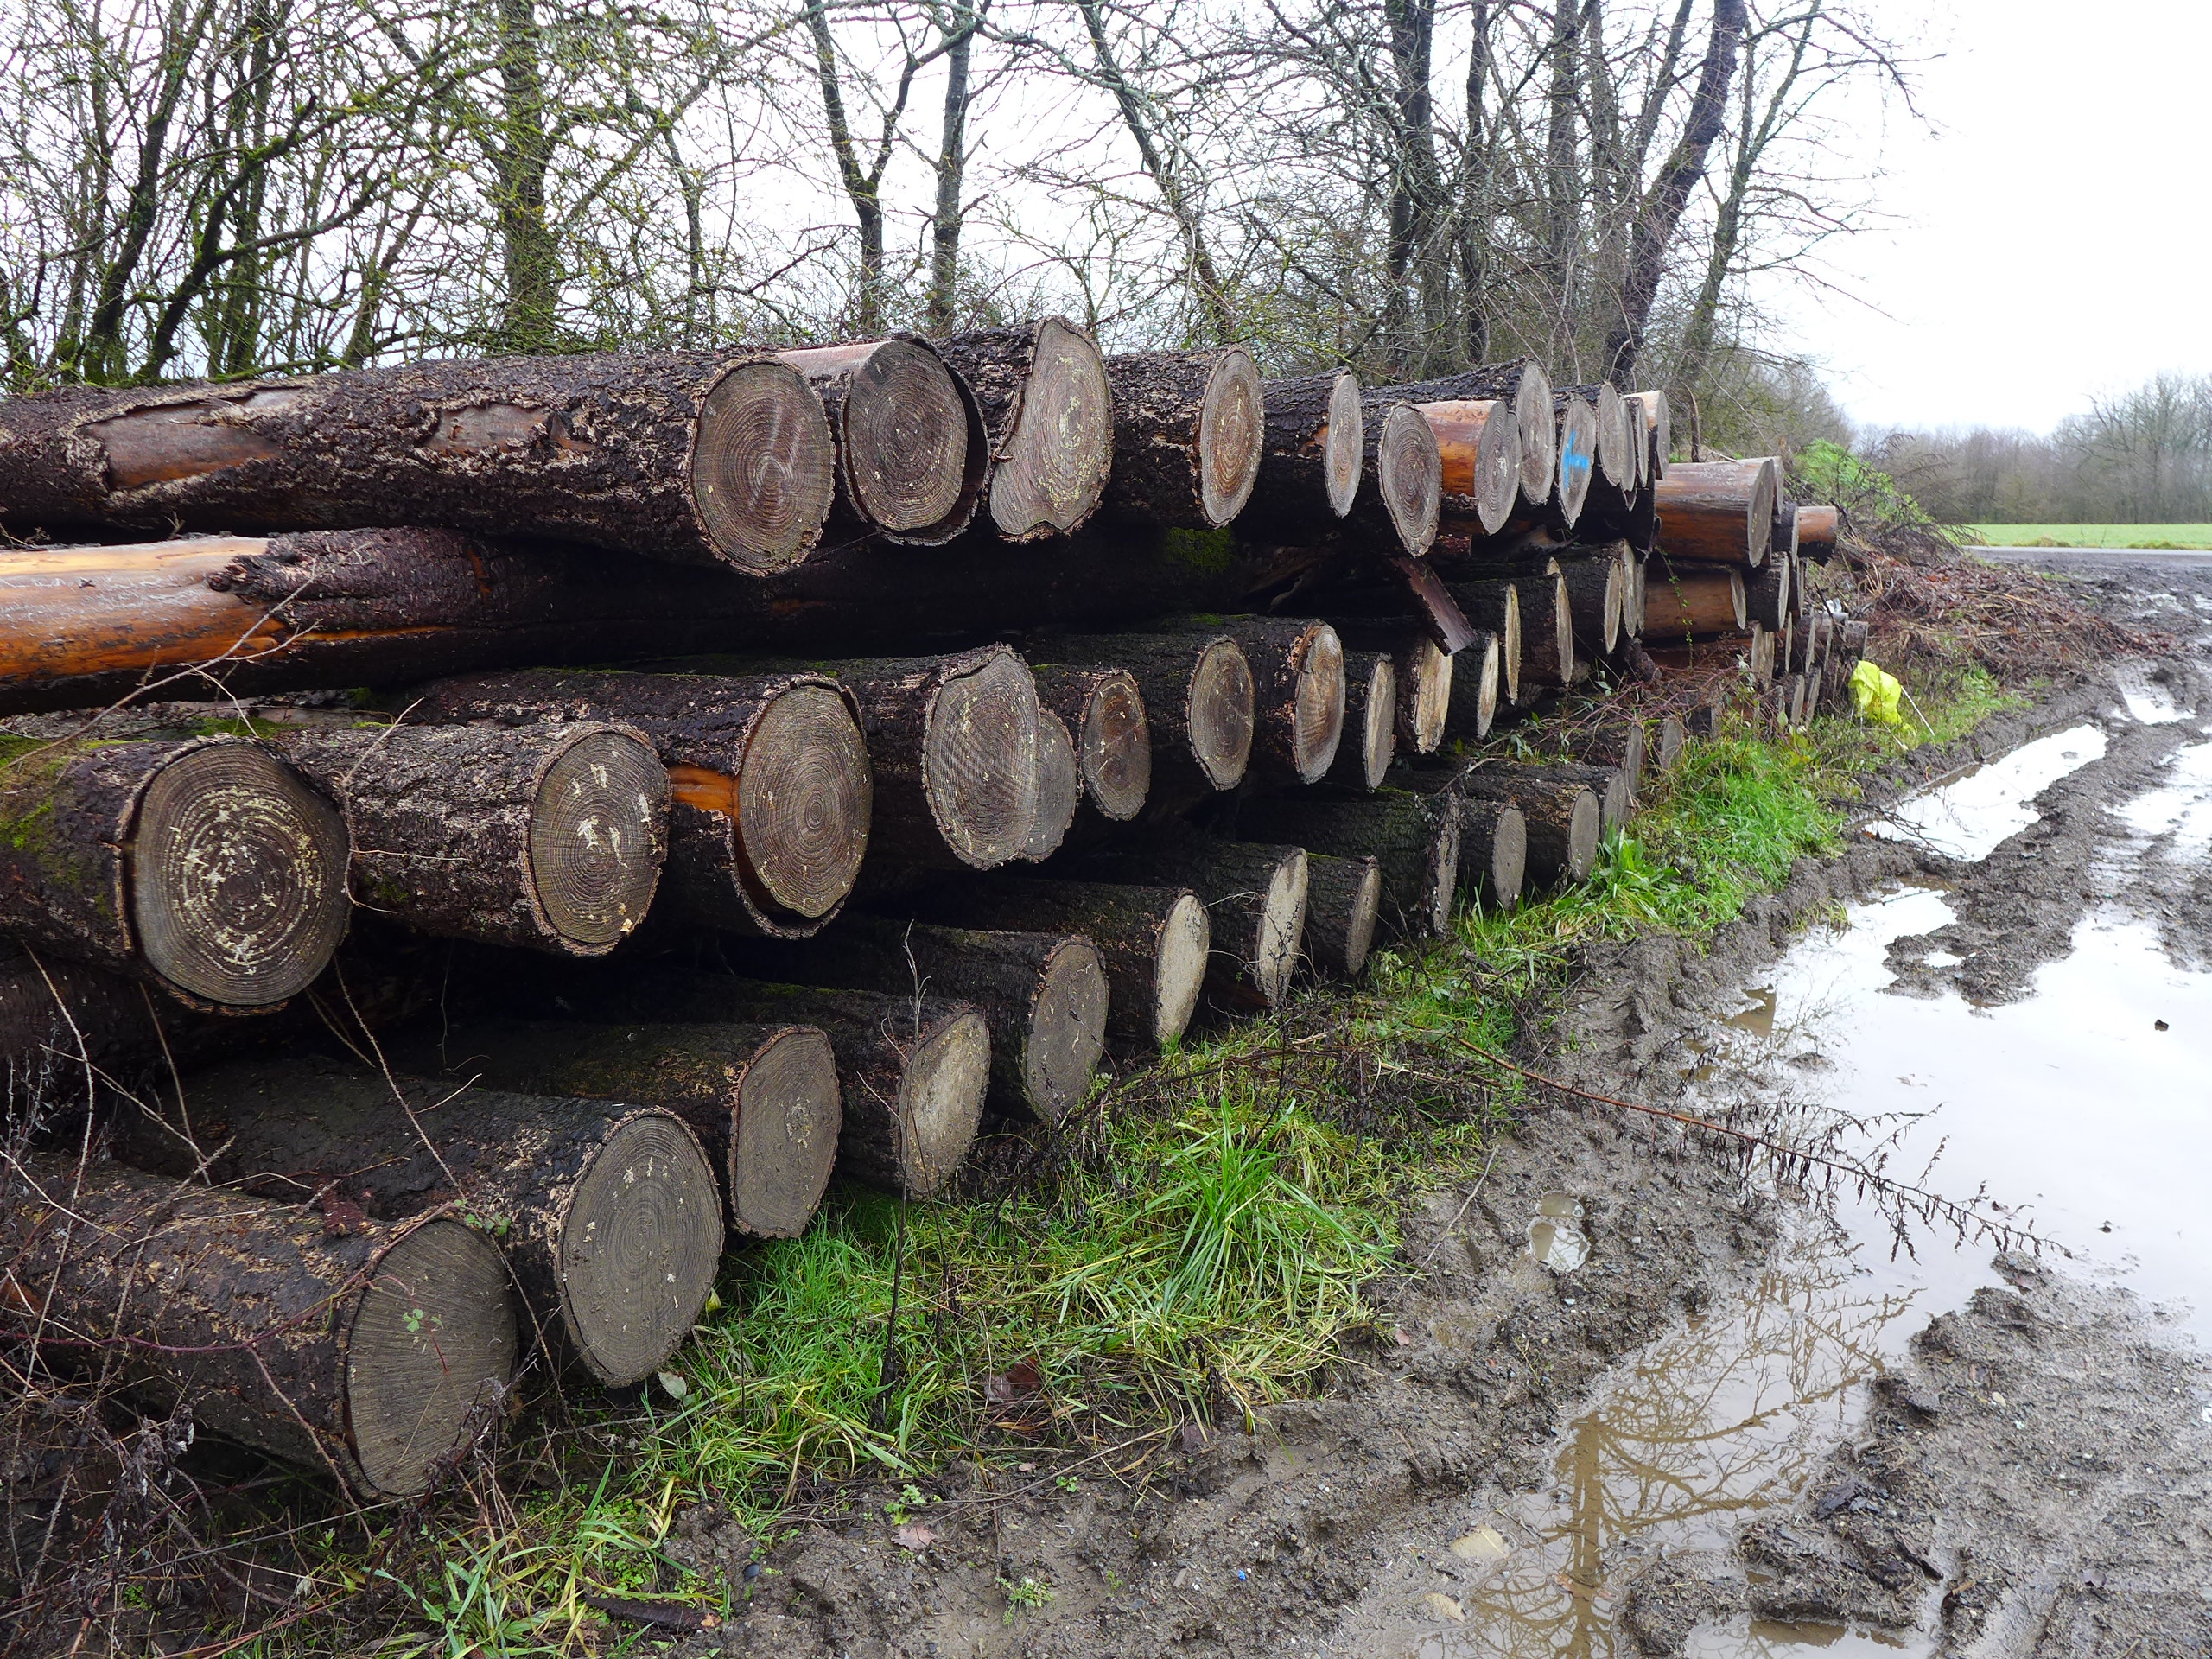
column 631, row 789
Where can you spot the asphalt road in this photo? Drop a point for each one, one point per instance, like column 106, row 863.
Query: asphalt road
column 2102, row 558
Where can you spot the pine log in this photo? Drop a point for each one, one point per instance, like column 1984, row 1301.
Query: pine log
column 1104, row 709
column 1298, row 689
column 1638, row 566
column 1563, row 821
column 1474, row 690
column 1784, row 545
column 1609, row 783
column 1613, row 445
column 1401, row 473
column 1199, row 698
column 1493, row 606
column 1413, row 838
column 352, row 1348
column 1059, row 789
column 1425, row 673
column 1658, row 428
column 1767, row 591
column 1049, row 412
column 723, row 457
column 1817, row 529
column 1522, row 384
column 772, row 794
column 66, row 1030
column 204, row 865
column 913, row 456
column 550, row 838
column 1311, row 457
column 1343, row 901
column 1621, row 744
column 1720, row 511
column 1595, row 600
column 1478, row 443
column 1493, row 853
column 1668, row 742
column 1578, row 454
column 1371, row 719
column 1548, row 657
column 1153, row 942
column 763, row 1099
column 1189, row 427
column 1686, row 601
column 1256, row 899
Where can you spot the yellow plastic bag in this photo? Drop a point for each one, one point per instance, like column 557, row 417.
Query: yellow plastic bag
column 1875, row 693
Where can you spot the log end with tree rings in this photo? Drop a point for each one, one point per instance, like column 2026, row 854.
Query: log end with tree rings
column 1344, row 902
column 1585, row 827
column 1221, row 713
column 785, row 1140
column 641, row 1239
column 1051, row 468
column 1281, row 930
column 941, row 1088
column 1067, row 1029
column 1443, row 868
column 237, row 876
column 980, row 761
column 1616, row 447
column 1114, row 747
column 906, row 429
column 1060, row 788
column 1377, row 702
column 1534, row 414
column 1425, row 695
column 598, row 835
column 1485, row 672
column 1669, row 738
column 1317, row 704
column 1577, row 455
column 1344, row 443
column 1479, row 443
column 804, row 799
column 432, row 1334
column 763, row 466
column 1232, row 428
column 1185, row 942
column 1409, row 476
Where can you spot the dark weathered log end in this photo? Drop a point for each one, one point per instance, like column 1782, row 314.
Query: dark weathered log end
column 763, row 466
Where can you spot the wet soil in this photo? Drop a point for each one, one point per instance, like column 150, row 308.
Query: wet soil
column 1618, row 1399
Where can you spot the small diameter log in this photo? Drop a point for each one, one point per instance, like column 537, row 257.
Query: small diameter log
column 1595, row 600
column 1152, row 942
column 1769, row 591
column 1809, row 703
column 1609, row 783
column 1413, row 838
column 1343, row 901
column 1495, row 606
column 763, row 1099
column 1059, row 789
column 1199, row 698
column 1256, row 899
column 1758, row 655
column 1189, row 427
column 1578, row 454
column 1477, row 677
column 1613, row 447
column 1493, row 853
column 1564, row 821
column 1658, row 430
column 1817, row 528
column 1104, row 709
column 1784, row 545
column 1425, row 673
column 711, row 458
column 1478, row 443
column 1524, row 386
column 550, row 838
column 1044, row 994
column 1720, row 511
column 1547, row 659
column 1297, row 686
column 771, row 793
column 1685, row 602
column 1639, row 570
column 1621, row 744
column 350, row 1347
column 913, row 456
column 1669, row 742
column 205, row 864
column 1371, row 719
column 1311, row 457
column 1049, row 413
column 1401, row 475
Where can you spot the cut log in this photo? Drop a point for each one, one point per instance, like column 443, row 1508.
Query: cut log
column 1758, row 655
column 1593, row 601
column 1617, row 744
column 607, row 1212
column 205, row 864
column 1784, row 545
column 1817, row 529
column 1298, row 687
column 1343, row 901
column 1311, row 458
column 550, row 838
column 1658, row 428
column 1523, row 385
column 1478, row 442
column 1256, row 899
column 1474, row 690
column 1563, row 822
column 1402, row 473
column 1189, row 427
column 1613, row 444
column 1769, row 598
column 1433, row 604
column 1424, row 672
column 1104, row 708
column 1495, row 607
column 1608, row 783
column 1547, row 659
column 762, row 1099
column 1413, row 838
column 1060, row 788
column 1720, row 511
column 1199, row 698
column 1046, row 406
column 1371, row 719
column 1668, row 742
column 1809, row 702
column 1493, row 853
column 1578, row 454
column 66, row 1029
column 771, row 795
column 1683, row 602
column 1044, row 994
column 1153, row 942
column 349, row 1347
column 913, row 457
column 704, row 457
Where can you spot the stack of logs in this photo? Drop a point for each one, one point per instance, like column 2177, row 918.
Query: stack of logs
column 528, row 823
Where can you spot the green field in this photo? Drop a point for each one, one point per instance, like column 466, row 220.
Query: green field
column 2153, row 536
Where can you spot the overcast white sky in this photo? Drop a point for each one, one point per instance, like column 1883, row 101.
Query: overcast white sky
column 2057, row 229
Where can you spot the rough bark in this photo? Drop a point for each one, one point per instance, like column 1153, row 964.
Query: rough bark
column 1425, row 674
column 1476, row 681
column 1493, row 853
column 1689, row 601
column 1370, row 720
column 913, row 458
column 771, row 789
column 707, row 458
column 1620, row 744
column 1200, row 699
column 1783, row 546
column 1547, row 659
column 1254, row 895
column 1578, row 456
column 1479, row 444
column 1344, row 902
column 1522, row 384
column 1767, row 591
column 1608, row 783
column 607, row 1212
column 1413, row 838
column 1719, row 511
column 1189, row 427
column 550, row 838
column 1104, row 708
column 204, row 865
column 350, row 1347
column 1298, row 689
column 1595, row 600
column 1311, row 458
column 1401, row 477
column 1817, row 528
column 1495, row 606
column 1562, row 819
column 1049, row 413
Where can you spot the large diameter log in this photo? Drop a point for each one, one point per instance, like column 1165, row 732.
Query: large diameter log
column 1298, row 687
column 1475, row 685
column 771, row 793
column 348, row 1346
column 1425, row 673
column 1720, row 511
column 913, row 454
column 204, row 865
column 1613, row 445
column 1200, row 697
column 1577, row 455
column 704, row 457
column 1523, row 385
column 1564, row 821
column 608, row 1213
column 1059, row 789
column 1189, row 427
column 1255, row 896
column 1402, row 476
column 1479, row 443
column 1493, row 853
column 1685, row 602
column 1153, row 942
column 1344, row 902
column 1769, row 595
column 1044, row 996
column 1371, row 719
column 1495, row 606
column 1413, row 838
column 1657, row 429
column 1045, row 404
column 763, row 1099
column 550, row 838
column 1104, row 708
column 1595, row 600
column 1311, row 458
column 1817, row 527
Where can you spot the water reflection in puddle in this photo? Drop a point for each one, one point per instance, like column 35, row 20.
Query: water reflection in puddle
column 2181, row 808
column 1967, row 818
column 1555, row 1237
